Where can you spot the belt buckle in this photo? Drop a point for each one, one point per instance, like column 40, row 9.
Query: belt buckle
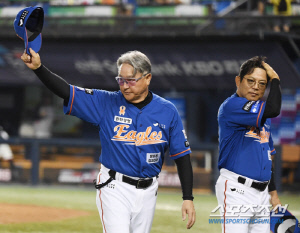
column 263, row 185
column 138, row 184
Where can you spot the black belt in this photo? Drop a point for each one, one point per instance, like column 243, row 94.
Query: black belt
column 139, row 184
column 260, row 186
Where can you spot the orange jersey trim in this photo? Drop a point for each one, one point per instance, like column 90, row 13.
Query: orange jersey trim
column 72, row 100
column 101, row 205
column 273, row 150
column 225, row 203
column 259, row 114
column 180, row 153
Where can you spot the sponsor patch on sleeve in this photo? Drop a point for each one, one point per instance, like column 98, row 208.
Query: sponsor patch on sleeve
column 89, row 91
column 80, row 88
column 255, row 107
column 248, row 105
column 183, row 131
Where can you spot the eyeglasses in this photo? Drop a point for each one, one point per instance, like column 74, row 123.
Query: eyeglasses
column 129, row 81
column 251, row 83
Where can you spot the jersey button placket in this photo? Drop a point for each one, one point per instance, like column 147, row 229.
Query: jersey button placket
column 139, row 149
column 139, row 125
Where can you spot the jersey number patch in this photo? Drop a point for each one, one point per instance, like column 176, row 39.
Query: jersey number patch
column 248, row 106
column 89, row 91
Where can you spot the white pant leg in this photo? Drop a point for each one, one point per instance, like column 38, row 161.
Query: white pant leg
column 5, row 152
column 228, row 198
column 143, row 213
column 114, row 209
column 123, row 208
column 264, row 219
column 229, row 192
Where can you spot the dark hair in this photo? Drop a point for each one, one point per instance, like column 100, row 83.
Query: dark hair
column 248, row 66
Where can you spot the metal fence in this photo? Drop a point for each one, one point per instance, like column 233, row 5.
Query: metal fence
column 204, row 160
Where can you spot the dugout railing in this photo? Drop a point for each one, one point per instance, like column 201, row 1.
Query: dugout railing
column 79, row 154
column 40, row 160
column 32, row 151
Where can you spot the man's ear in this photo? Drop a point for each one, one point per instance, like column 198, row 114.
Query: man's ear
column 148, row 78
column 237, row 81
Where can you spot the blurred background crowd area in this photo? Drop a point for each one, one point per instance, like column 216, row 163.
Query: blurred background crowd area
column 196, row 48
column 73, row 8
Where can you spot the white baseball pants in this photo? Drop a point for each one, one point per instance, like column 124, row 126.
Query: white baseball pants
column 122, row 207
column 5, row 152
column 232, row 196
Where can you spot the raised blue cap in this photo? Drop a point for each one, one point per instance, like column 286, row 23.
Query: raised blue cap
column 28, row 25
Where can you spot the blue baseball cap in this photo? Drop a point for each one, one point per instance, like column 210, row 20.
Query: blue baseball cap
column 284, row 222
column 28, row 25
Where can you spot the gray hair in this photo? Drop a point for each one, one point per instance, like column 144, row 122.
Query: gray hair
column 139, row 61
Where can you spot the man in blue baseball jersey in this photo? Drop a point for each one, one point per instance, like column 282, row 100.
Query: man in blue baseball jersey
column 136, row 127
column 246, row 148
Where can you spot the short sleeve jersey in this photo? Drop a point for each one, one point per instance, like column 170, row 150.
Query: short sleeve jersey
column 134, row 141
column 245, row 146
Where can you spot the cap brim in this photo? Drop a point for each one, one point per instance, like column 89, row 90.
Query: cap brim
column 36, row 44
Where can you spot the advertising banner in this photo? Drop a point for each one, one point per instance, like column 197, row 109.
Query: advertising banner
column 178, row 65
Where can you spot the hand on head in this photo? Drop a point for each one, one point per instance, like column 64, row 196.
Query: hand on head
column 32, row 61
column 270, row 72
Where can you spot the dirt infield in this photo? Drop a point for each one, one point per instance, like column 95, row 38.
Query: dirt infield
column 15, row 213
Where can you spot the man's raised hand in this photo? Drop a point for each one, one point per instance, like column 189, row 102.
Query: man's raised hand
column 33, row 62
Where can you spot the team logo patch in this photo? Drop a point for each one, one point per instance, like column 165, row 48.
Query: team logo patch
column 22, row 18
column 159, row 125
column 111, row 186
column 153, row 157
column 261, row 136
column 248, row 105
column 240, row 191
column 122, row 110
column 133, row 137
column 256, row 106
column 123, row 120
column 89, row 91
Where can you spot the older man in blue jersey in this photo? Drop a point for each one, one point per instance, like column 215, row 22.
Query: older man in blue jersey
column 136, row 127
column 246, row 180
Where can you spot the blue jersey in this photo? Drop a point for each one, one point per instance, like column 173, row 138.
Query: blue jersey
column 245, row 147
column 133, row 140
